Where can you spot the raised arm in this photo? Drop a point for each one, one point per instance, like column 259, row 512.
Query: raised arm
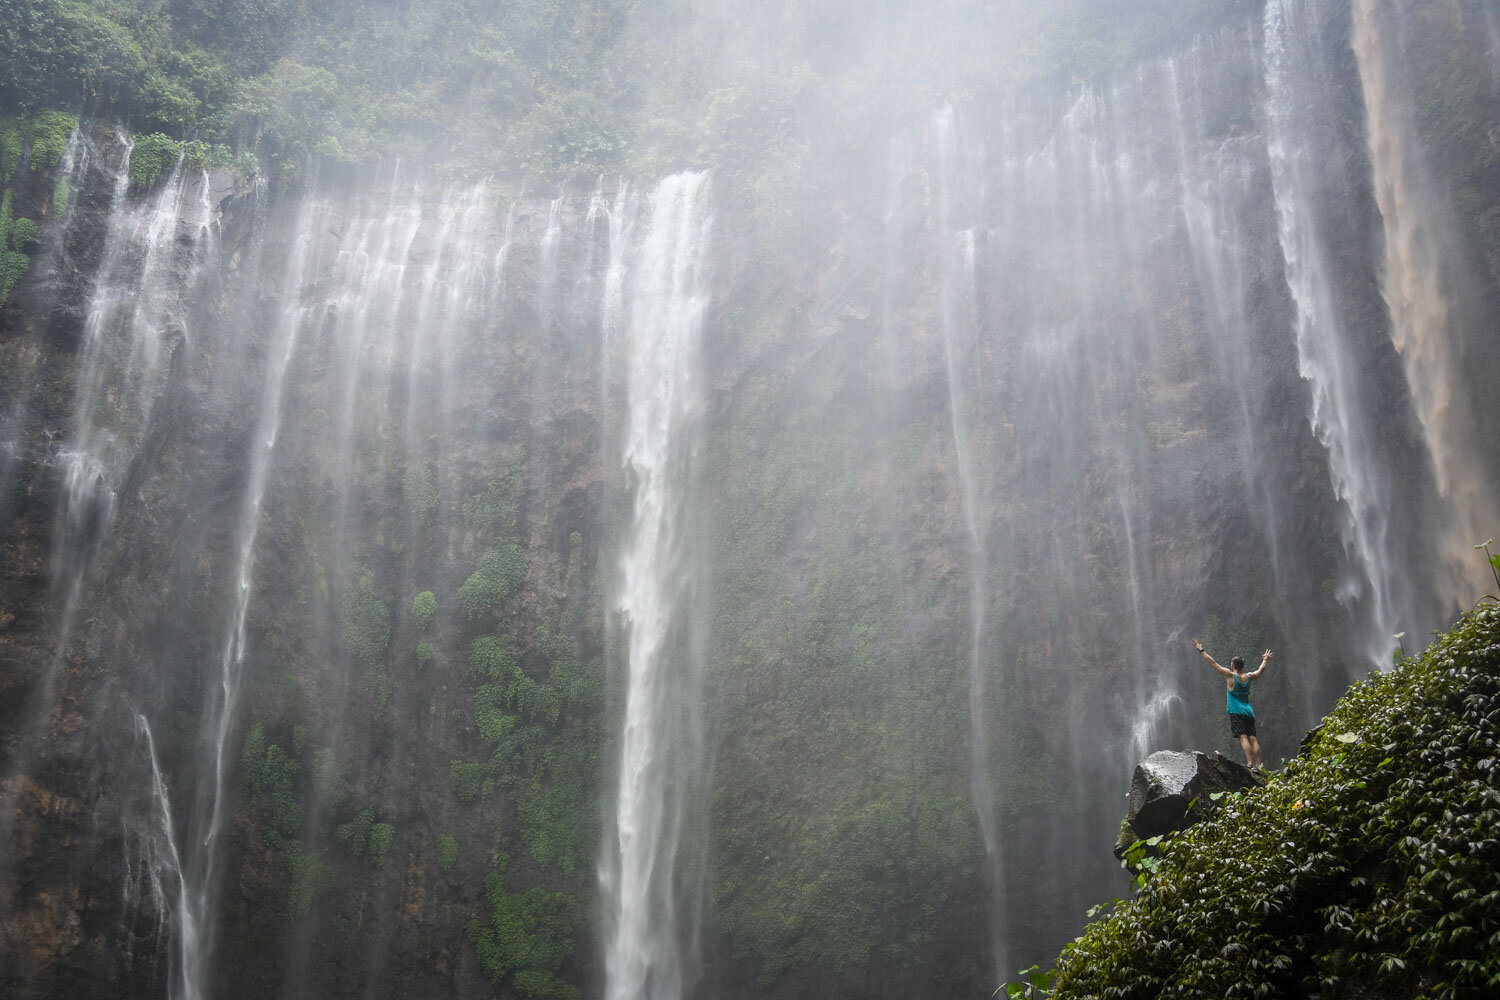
column 1211, row 661
column 1264, row 659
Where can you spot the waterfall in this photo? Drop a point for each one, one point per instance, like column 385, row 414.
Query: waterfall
column 155, row 254
column 658, row 600
column 205, row 848
column 956, row 290
column 1425, row 283
column 1296, row 98
column 161, row 864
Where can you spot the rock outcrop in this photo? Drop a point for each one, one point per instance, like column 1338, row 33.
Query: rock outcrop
column 1168, row 785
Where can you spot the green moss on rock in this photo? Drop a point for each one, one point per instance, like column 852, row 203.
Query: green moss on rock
column 1365, row 869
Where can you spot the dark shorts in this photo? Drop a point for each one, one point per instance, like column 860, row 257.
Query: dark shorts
column 1241, row 725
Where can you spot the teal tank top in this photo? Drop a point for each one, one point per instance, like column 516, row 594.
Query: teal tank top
column 1237, row 699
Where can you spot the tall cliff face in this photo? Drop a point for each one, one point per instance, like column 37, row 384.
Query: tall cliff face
column 342, row 549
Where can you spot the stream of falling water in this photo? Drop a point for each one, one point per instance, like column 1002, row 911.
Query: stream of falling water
column 1422, row 284
column 955, row 295
column 204, row 847
column 658, row 601
column 1294, row 85
column 154, row 253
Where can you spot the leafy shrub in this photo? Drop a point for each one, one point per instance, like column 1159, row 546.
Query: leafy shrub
column 367, row 632
column 267, row 774
column 420, row 492
column 150, row 157
column 49, row 133
column 500, row 572
column 529, row 937
column 327, row 781
column 497, row 508
column 1366, row 868
column 447, row 850
column 356, row 832
column 490, row 658
column 10, row 148
column 465, row 780
column 423, row 607
column 308, row 877
column 381, row 836
column 424, row 654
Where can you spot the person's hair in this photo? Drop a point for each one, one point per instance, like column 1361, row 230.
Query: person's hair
column 1237, row 664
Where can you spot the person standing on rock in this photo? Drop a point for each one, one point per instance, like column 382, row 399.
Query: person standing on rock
column 1237, row 699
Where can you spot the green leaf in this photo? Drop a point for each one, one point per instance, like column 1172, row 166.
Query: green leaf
column 1347, row 738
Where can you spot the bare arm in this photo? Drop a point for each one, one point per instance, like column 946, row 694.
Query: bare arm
column 1211, row 661
column 1264, row 659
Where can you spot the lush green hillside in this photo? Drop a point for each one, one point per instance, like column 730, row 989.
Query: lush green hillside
column 1365, row 869
column 550, row 89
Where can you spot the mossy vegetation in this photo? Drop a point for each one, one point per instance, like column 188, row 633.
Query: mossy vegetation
column 528, row 937
column 268, row 774
column 419, row 490
column 367, row 633
column 501, row 571
column 152, row 157
column 423, row 607
column 1365, row 869
column 48, row 133
column 447, row 851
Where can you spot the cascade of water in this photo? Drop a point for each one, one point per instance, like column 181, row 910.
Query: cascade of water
column 1423, row 284
column 620, row 233
column 204, row 847
column 154, row 253
column 161, row 865
column 955, row 308
column 1296, row 95
column 659, row 604
column 547, row 254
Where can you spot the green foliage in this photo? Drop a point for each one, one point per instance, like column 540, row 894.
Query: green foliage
column 11, row 148
column 529, row 937
column 1493, row 560
column 22, row 233
column 423, row 607
column 367, row 632
column 268, row 775
column 424, row 654
column 490, row 658
column 365, row 837
column 308, row 878
column 497, row 509
column 420, row 493
column 327, row 780
column 381, row 836
column 15, row 236
column 13, row 267
column 465, row 779
column 49, row 133
column 501, row 571
column 1364, row 868
column 252, row 760
column 447, row 852
column 151, row 156
column 356, row 832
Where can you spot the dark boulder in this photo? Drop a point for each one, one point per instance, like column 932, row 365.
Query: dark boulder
column 1166, row 784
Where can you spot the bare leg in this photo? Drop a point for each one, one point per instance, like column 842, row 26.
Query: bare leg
column 1254, row 750
column 1245, row 744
